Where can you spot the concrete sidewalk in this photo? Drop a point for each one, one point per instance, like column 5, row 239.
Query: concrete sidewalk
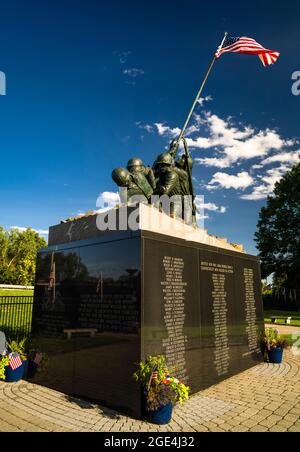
column 265, row 398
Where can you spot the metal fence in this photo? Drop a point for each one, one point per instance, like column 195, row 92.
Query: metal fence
column 16, row 315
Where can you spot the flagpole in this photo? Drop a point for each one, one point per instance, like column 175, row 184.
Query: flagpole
column 198, row 97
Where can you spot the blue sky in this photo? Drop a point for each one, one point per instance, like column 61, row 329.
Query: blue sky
column 92, row 83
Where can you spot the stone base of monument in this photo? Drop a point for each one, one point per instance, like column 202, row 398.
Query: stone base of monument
column 190, row 296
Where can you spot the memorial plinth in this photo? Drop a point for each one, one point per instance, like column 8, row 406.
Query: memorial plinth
column 156, row 290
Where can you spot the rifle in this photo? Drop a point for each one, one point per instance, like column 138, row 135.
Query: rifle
column 173, row 151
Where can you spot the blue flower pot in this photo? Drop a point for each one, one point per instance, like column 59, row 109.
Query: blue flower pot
column 12, row 376
column 275, row 355
column 163, row 415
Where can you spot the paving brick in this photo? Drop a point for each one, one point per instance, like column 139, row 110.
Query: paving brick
column 294, row 429
column 285, row 424
column 240, row 428
column 258, row 428
column 277, row 429
column 265, row 398
column 291, row 417
column 270, row 421
column 249, row 423
column 282, row 412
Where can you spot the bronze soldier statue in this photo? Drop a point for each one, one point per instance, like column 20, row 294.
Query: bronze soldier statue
column 184, row 168
column 137, row 168
column 168, row 184
column 166, row 170
column 124, row 180
column 137, row 179
column 167, row 177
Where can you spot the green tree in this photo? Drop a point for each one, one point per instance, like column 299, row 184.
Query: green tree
column 278, row 234
column 18, row 255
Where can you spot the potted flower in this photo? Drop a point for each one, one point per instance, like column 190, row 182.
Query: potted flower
column 274, row 345
column 161, row 390
column 16, row 350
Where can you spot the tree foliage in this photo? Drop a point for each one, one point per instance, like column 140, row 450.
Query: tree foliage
column 278, row 234
column 18, row 255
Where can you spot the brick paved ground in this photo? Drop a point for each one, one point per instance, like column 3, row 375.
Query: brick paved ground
column 265, row 398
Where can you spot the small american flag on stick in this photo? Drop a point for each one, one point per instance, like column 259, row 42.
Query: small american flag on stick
column 248, row 46
column 154, row 375
column 38, row 358
column 15, row 361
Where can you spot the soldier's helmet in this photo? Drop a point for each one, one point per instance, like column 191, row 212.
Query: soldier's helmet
column 173, row 146
column 121, row 177
column 164, row 159
column 181, row 162
column 135, row 164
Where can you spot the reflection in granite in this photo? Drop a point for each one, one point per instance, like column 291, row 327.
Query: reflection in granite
column 96, row 287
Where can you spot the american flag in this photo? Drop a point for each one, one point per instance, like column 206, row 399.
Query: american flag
column 154, row 375
column 15, row 361
column 248, row 46
column 38, row 358
column 52, row 277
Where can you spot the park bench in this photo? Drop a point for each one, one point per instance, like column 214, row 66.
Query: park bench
column 281, row 317
column 91, row 331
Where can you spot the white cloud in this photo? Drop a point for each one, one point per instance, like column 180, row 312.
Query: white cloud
column 201, row 205
column 147, row 127
column 225, row 143
column 202, row 100
column 236, row 144
column 166, row 130
column 200, row 218
column 38, row 231
column 284, row 157
column 242, row 181
column 232, row 143
column 107, row 200
column 266, row 188
column 123, row 56
column 133, row 72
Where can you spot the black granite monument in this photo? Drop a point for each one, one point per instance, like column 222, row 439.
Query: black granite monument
column 143, row 293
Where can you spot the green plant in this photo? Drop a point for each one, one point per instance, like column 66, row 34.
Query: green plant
column 146, row 369
column 16, row 346
column 4, row 362
column 159, row 387
column 272, row 339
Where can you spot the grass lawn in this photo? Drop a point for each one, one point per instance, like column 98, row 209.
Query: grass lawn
column 294, row 314
column 15, row 314
column 16, row 293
